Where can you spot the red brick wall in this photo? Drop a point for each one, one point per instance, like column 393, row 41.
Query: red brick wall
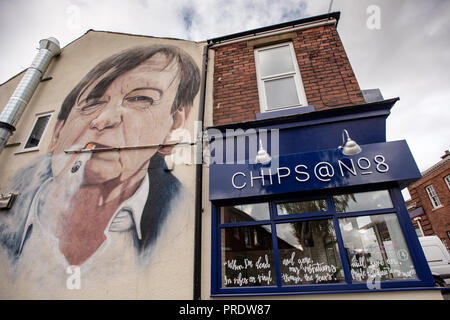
column 235, row 92
column 327, row 76
column 439, row 219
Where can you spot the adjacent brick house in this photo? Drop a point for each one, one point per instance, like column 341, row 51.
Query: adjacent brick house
column 429, row 207
column 289, row 92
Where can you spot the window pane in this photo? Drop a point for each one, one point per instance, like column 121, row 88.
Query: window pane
column 447, row 180
column 245, row 212
column 302, row 207
column 247, row 257
column 281, row 93
column 376, row 249
column 309, row 253
column 433, row 196
column 36, row 133
column 275, row 61
column 363, row 201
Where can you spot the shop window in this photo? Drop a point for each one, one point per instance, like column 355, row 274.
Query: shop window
column 279, row 81
column 246, row 262
column 308, row 253
column 334, row 242
column 301, row 207
column 433, row 196
column 37, row 132
column 361, row 201
column 376, row 249
column 245, row 212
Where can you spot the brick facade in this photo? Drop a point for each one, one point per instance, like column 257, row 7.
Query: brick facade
column 434, row 221
column 326, row 73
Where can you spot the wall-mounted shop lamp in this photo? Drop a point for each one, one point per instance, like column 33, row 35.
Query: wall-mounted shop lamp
column 262, row 156
column 349, row 147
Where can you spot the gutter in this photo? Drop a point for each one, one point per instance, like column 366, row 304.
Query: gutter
column 302, row 24
column 199, row 184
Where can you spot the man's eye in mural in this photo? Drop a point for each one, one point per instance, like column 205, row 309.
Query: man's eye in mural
column 138, row 102
column 91, row 106
column 142, row 98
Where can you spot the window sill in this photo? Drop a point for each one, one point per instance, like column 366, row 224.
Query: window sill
column 298, row 293
column 438, row 207
column 284, row 112
column 13, row 144
column 27, row 150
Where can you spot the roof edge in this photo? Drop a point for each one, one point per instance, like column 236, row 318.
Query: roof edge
column 328, row 16
column 435, row 167
column 110, row 32
column 143, row 36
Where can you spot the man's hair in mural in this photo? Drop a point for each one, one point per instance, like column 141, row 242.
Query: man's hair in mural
column 129, row 59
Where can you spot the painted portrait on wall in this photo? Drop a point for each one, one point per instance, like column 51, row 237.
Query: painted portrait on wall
column 101, row 193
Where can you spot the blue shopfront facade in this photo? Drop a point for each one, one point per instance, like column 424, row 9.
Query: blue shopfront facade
column 315, row 219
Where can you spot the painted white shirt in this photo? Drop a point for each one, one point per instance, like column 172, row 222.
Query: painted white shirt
column 117, row 253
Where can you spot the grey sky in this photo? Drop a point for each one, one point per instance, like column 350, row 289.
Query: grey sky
column 407, row 57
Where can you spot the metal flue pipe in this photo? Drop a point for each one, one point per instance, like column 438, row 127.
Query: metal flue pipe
column 9, row 117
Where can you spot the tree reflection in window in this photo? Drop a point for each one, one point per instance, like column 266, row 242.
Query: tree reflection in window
column 302, row 207
column 247, row 256
column 308, row 253
column 245, row 212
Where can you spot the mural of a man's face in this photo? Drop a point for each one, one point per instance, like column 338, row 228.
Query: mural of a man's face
column 135, row 110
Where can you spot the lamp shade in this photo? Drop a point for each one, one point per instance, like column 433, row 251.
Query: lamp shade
column 350, row 147
column 262, row 156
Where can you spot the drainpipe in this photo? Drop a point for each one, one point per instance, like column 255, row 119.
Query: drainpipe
column 198, row 185
column 16, row 105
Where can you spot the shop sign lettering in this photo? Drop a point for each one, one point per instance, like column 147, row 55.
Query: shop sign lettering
column 323, row 171
column 318, row 170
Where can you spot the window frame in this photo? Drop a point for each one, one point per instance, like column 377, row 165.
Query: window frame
column 430, row 189
column 447, row 181
column 37, row 116
column 424, row 278
column 295, row 74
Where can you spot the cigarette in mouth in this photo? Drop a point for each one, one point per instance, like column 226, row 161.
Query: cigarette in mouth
column 77, row 164
column 89, row 146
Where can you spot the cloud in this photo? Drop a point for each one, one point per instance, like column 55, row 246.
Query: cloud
column 188, row 14
column 408, row 57
column 219, row 18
